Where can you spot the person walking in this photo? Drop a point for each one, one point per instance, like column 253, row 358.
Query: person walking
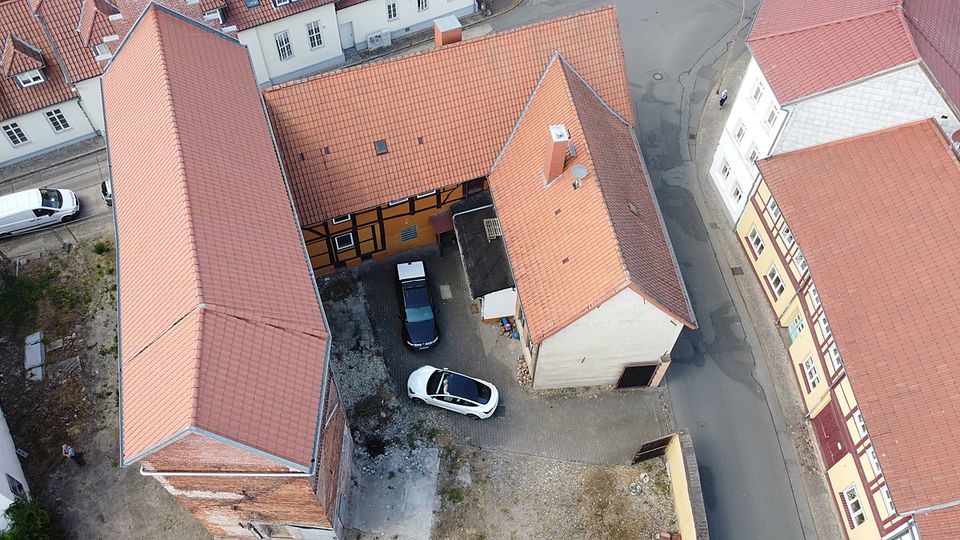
column 723, row 97
column 69, row 453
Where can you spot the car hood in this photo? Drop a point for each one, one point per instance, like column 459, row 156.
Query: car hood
column 421, row 332
column 418, row 379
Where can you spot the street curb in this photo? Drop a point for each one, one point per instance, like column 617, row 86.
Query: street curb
column 52, row 165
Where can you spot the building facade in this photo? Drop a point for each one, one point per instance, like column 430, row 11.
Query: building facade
column 367, row 22
column 15, row 484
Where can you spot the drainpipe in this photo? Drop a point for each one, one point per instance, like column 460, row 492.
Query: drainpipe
column 229, row 474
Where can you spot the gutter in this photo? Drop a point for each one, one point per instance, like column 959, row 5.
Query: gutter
column 189, row 473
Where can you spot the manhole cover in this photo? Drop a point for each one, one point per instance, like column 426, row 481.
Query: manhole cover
column 658, row 76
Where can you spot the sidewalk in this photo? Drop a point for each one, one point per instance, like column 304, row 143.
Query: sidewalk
column 755, row 311
column 51, row 159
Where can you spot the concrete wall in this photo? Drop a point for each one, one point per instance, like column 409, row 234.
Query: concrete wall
column 883, row 101
column 371, row 16
column 9, row 464
column 42, row 137
column 685, row 487
column 624, row 330
column 268, row 67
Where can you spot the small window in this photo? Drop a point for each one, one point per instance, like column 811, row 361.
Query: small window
column 801, row 262
column 102, row 51
column 315, row 35
column 398, row 202
column 861, row 425
column 857, row 516
column 756, row 241
column 810, row 369
column 834, row 353
column 391, row 11
column 422, row 5
column 874, row 462
column 772, row 116
column 753, row 155
column 787, row 236
column 30, row 78
column 741, row 132
column 284, row 49
column 57, row 120
column 824, row 326
column 814, row 297
column 757, row 92
column 426, row 194
column 343, row 241
column 408, row 233
column 797, row 326
column 776, row 283
column 14, row 134
column 724, row 169
column 773, row 209
column 213, row 15
column 341, row 219
column 15, row 486
column 736, row 194
column 381, row 147
column 888, row 500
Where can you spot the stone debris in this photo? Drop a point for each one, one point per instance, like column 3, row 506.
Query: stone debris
column 34, row 356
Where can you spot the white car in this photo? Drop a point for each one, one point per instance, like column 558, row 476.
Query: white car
column 454, row 391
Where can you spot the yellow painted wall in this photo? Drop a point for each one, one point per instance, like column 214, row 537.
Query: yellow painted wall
column 842, row 475
column 680, row 489
column 845, row 398
column 880, row 504
column 799, row 350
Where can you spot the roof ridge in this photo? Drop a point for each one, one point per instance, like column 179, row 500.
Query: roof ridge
column 897, row 7
column 418, row 54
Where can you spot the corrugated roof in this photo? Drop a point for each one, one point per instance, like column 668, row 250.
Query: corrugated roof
column 878, row 218
column 461, row 101
column 572, row 249
column 220, row 326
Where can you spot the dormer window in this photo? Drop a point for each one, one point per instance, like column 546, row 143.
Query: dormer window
column 102, row 51
column 213, row 15
column 30, row 78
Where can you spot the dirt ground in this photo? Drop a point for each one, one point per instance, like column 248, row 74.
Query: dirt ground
column 491, row 495
column 71, row 297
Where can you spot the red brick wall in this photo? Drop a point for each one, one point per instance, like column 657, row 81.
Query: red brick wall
column 336, row 451
column 194, row 452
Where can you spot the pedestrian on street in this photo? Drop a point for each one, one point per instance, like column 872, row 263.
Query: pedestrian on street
column 723, row 97
column 69, row 453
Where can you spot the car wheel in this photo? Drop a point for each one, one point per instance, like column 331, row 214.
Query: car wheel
column 419, row 401
column 473, row 417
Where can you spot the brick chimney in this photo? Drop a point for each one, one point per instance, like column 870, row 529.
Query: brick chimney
column 557, row 152
column 446, row 30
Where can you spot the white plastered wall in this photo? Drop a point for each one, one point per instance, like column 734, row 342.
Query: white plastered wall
column 91, row 100
column 40, row 134
column 371, row 16
column 624, row 330
column 9, row 464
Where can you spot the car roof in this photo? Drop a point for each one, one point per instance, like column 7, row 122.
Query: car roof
column 462, row 386
column 411, row 270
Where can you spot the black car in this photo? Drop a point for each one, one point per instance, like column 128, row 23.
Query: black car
column 420, row 329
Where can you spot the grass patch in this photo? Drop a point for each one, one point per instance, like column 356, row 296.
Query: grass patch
column 102, row 247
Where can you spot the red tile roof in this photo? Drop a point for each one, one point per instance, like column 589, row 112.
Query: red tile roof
column 935, row 26
column 555, row 235
column 221, row 330
column 462, row 100
column 26, row 48
column 940, row 525
column 878, row 218
column 239, row 15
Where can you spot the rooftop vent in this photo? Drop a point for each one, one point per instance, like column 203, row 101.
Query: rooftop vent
column 492, row 228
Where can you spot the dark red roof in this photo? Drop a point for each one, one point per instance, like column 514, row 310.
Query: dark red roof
column 935, row 26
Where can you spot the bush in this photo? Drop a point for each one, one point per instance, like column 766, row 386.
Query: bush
column 29, row 520
column 101, row 247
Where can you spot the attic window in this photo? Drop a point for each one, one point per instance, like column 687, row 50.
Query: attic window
column 252, row 3
column 102, row 51
column 30, row 78
column 380, row 146
column 213, row 15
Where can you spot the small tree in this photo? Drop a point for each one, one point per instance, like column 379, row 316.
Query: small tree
column 29, row 520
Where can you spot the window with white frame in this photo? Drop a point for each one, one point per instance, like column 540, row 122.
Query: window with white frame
column 810, row 369
column 834, row 353
column 772, row 116
column 30, row 78
column 824, row 326
column 284, row 48
column 213, row 15
column 343, row 241
column 756, row 241
column 14, row 134
column 422, row 5
column 391, row 11
column 724, row 169
column 741, row 131
column 855, row 509
column 797, row 326
column 397, row 202
column 736, row 194
column 874, row 462
column 801, row 262
column 757, row 92
column 773, row 209
column 787, row 236
column 814, row 297
column 316, row 37
column 341, row 219
column 753, row 155
column 776, row 283
column 888, row 500
column 57, row 120
column 861, row 425
column 102, row 51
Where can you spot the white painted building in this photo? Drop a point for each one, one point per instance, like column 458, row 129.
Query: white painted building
column 43, row 130
column 14, row 483
column 879, row 82
column 396, row 17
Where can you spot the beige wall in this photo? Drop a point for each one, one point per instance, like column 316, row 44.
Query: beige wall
column 842, row 475
column 371, row 16
column 680, row 489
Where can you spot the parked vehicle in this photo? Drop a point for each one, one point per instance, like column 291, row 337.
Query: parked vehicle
column 34, row 209
column 106, row 191
column 420, row 328
column 453, row 391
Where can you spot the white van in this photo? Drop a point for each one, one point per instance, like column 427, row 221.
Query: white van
column 35, row 209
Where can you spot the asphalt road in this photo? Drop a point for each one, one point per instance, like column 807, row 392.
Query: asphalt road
column 720, row 389
column 82, row 175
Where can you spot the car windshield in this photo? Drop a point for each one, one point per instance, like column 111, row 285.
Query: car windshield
column 434, row 383
column 51, row 198
column 466, row 388
column 416, row 302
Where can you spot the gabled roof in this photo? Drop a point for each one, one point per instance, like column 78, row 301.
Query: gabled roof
column 878, row 219
column 24, row 48
column 94, row 22
column 461, row 101
column 221, row 330
column 573, row 249
column 813, row 46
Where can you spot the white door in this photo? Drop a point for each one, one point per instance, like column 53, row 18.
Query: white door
column 346, row 35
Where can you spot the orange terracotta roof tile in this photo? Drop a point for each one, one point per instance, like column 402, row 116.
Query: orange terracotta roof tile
column 609, row 228
column 940, row 524
column 878, row 218
column 461, row 101
column 220, row 325
column 243, row 17
column 95, row 21
column 19, row 57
